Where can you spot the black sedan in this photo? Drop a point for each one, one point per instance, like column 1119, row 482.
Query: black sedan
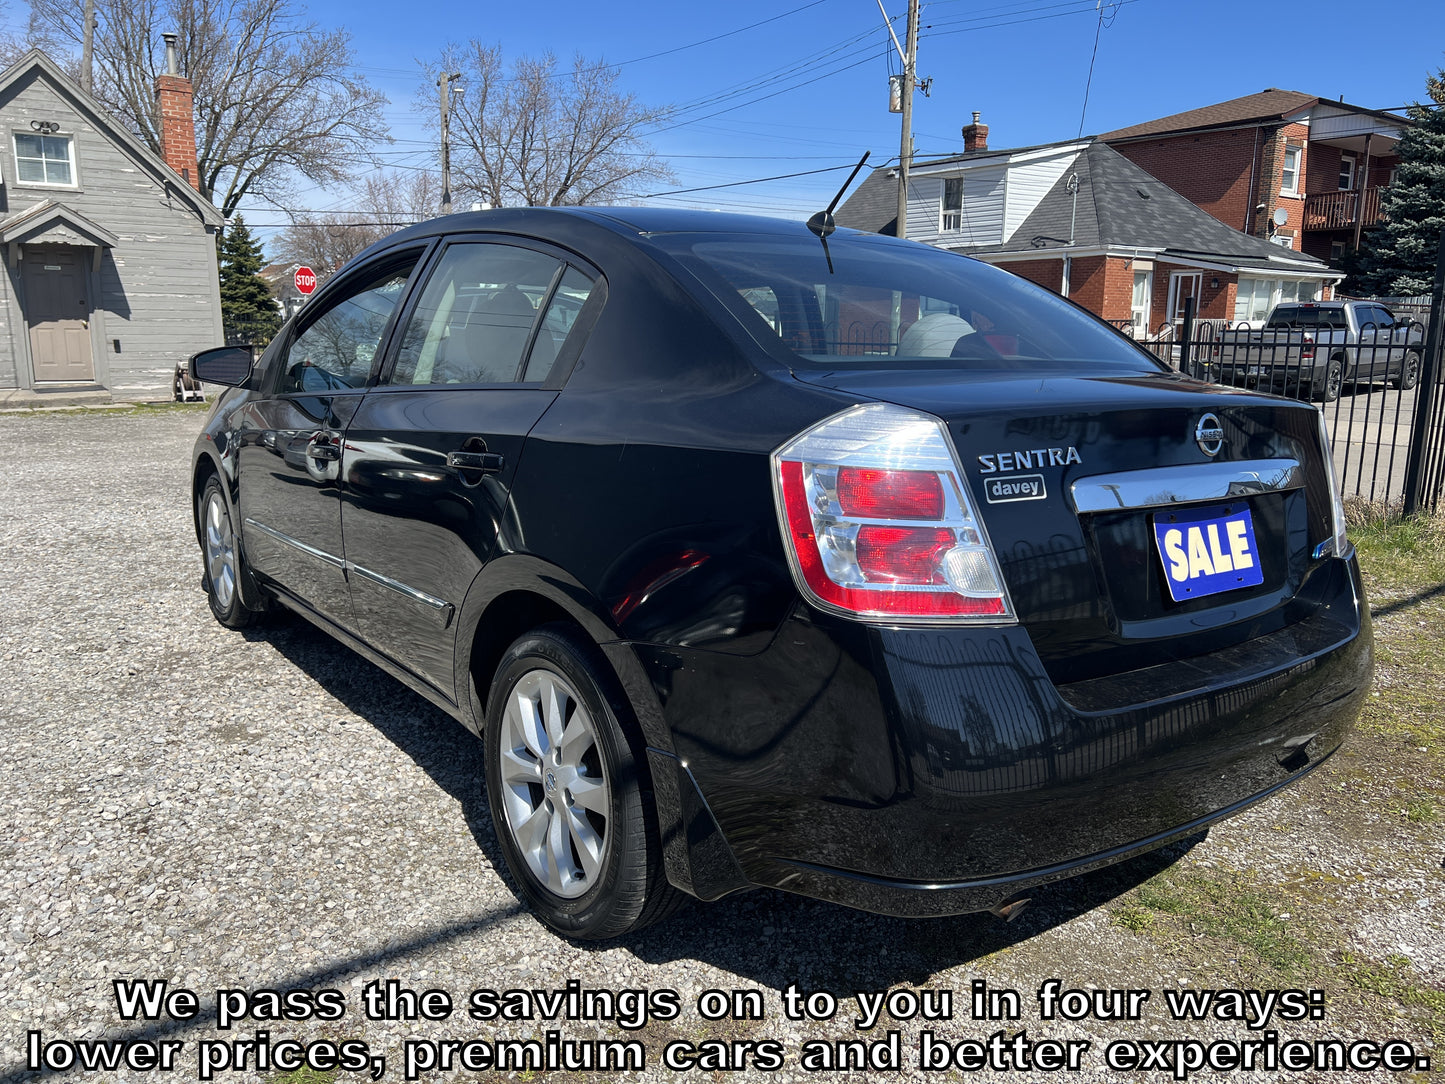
column 764, row 555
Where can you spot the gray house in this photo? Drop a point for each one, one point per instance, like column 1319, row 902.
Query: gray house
column 109, row 251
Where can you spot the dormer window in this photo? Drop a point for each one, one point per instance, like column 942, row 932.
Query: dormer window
column 44, row 159
column 953, row 203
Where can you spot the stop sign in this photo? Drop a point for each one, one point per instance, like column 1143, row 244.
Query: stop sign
column 305, row 279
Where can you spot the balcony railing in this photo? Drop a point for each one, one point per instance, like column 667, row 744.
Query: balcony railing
column 1336, row 210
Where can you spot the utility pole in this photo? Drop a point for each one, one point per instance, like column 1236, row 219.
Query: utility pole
column 445, row 82
column 88, row 38
column 905, row 144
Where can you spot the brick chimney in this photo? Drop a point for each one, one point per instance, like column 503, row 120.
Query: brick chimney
column 175, row 100
column 975, row 136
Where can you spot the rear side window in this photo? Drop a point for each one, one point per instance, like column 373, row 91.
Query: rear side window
column 336, row 350
column 475, row 320
column 562, row 312
column 885, row 305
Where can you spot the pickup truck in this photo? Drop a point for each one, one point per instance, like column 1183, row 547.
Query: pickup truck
column 1311, row 349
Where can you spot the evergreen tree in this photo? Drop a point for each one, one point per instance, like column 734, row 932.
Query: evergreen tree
column 1403, row 249
column 246, row 302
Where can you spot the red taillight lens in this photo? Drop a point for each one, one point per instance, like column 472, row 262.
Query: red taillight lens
column 878, row 521
column 903, row 554
column 1308, row 350
column 890, row 494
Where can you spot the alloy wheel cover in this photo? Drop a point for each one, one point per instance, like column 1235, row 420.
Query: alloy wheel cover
column 556, row 796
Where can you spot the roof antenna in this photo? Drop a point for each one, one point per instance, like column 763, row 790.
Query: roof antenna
column 822, row 223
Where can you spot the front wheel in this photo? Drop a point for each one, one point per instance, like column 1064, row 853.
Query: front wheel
column 566, row 790
column 1409, row 372
column 222, row 553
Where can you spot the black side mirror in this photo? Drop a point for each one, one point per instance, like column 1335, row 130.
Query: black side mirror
column 229, row 365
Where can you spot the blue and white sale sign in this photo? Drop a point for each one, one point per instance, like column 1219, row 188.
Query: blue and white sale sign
column 1207, row 550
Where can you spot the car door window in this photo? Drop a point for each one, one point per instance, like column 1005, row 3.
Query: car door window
column 335, row 350
column 476, row 316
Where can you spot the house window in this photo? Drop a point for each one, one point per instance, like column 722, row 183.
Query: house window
column 1347, row 172
column 44, row 159
column 1256, row 297
column 1289, row 186
column 953, row 203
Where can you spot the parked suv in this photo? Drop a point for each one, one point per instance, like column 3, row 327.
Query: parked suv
column 760, row 555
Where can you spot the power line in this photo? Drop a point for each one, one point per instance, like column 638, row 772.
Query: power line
column 735, row 184
column 1112, row 13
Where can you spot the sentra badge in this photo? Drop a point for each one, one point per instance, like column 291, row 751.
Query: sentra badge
column 1031, row 459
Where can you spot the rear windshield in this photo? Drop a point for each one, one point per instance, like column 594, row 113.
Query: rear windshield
column 1295, row 316
column 890, row 305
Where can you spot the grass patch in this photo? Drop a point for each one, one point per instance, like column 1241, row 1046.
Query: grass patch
column 1400, row 551
column 1395, row 980
column 1419, row 811
column 137, row 410
column 305, row 1076
column 1227, row 910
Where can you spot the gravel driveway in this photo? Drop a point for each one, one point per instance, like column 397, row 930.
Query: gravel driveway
column 267, row 811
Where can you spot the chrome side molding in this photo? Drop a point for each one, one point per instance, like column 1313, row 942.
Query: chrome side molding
column 443, row 609
column 1160, row 487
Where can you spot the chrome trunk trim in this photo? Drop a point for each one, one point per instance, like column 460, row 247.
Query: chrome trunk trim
column 1160, row 487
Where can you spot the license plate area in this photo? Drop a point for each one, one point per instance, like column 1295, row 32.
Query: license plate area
column 1207, row 550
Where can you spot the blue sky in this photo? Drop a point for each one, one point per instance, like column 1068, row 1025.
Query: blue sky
column 1023, row 64
column 808, row 89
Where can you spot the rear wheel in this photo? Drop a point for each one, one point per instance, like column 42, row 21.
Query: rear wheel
column 1327, row 387
column 565, row 785
column 1409, row 372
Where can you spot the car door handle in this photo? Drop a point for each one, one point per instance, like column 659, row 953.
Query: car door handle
column 486, row 462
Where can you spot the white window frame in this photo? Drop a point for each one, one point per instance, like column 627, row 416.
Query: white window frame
column 1176, row 299
column 1347, row 184
column 951, row 218
column 70, row 159
column 1286, row 187
column 1139, row 314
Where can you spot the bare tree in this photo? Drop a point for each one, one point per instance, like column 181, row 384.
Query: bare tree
column 274, row 96
column 539, row 138
column 386, row 202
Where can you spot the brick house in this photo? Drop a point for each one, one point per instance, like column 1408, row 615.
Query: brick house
column 109, row 250
column 1301, row 171
column 1082, row 220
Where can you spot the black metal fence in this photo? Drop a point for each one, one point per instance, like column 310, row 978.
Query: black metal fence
column 244, row 333
column 1382, row 389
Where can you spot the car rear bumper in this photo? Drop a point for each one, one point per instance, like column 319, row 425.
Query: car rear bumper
column 930, row 771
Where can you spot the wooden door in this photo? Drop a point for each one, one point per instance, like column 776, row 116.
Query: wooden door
column 57, row 312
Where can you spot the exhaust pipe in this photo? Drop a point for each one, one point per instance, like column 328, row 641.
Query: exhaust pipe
column 1010, row 909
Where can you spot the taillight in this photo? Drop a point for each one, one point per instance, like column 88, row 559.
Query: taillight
column 879, row 523
column 1308, row 351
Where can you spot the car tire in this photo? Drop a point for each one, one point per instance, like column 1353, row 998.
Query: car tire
column 568, row 793
column 1409, row 373
column 221, row 552
column 1326, row 389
